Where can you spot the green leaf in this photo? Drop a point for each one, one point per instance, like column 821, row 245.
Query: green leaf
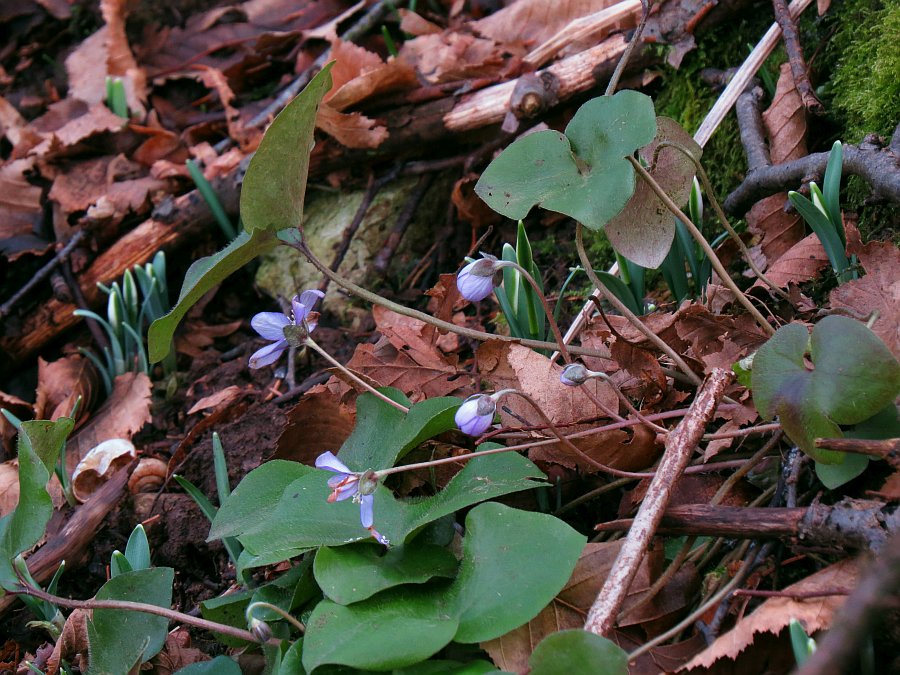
column 221, row 665
column 137, row 550
column 644, row 230
column 514, row 563
column 576, row 651
column 202, row 276
column 824, row 230
column 394, row 629
column 118, row 564
column 302, row 518
column 850, row 375
column 832, row 188
column 350, row 574
column 275, row 184
column 383, row 434
column 119, row 639
column 582, row 173
column 622, row 291
column 835, row 475
column 38, row 446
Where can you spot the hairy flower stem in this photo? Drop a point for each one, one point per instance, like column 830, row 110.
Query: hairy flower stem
column 554, row 327
column 170, row 614
column 629, row 406
column 296, row 623
column 707, row 249
column 627, row 313
column 481, row 336
column 362, row 383
column 626, row 55
column 720, row 214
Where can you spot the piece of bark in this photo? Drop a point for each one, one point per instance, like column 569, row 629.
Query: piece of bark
column 850, row 524
column 72, row 542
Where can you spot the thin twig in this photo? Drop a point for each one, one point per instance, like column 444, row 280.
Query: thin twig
column 404, row 218
column 75, row 288
column 680, row 445
column 795, row 57
column 41, row 274
column 626, row 55
column 707, row 249
column 145, row 608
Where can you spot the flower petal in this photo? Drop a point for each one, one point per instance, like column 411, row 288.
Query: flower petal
column 329, row 461
column 344, row 491
column 270, row 325
column 472, row 286
column 305, row 303
column 469, row 418
column 268, row 355
column 366, row 510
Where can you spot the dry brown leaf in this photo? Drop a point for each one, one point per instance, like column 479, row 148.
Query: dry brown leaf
column 177, row 653
column 511, row 651
column 72, row 645
column 777, row 229
column 414, row 24
column 223, row 397
column 775, row 614
column 469, row 206
column 785, row 120
column 643, row 365
column 198, row 336
column 359, row 74
column 717, row 341
column 9, row 486
column 19, row 408
column 20, row 202
column 60, row 383
column 64, row 140
column 213, row 78
column 451, row 56
column 632, row 450
column 318, row 423
column 802, row 262
column 11, row 122
column 352, row 130
column 878, row 291
column 121, row 416
column 534, row 21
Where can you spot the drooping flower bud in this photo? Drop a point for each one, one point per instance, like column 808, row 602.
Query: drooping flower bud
column 575, row 374
column 260, row 630
column 476, row 280
column 476, row 414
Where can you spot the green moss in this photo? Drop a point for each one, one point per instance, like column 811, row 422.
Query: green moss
column 864, row 57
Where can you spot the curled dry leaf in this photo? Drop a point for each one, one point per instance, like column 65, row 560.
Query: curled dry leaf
column 219, row 399
column 20, row 210
column 359, row 74
column 99, row 465
column 148, row 476
column 121, row 416
column 353, row 130
column 72, row 646
column 318, row 423
column 451, row 56
column 775, row 614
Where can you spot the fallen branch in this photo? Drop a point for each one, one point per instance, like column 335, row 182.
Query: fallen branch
column 680, row 445
column 795, row 57
column 852, row 524
column 888, row 449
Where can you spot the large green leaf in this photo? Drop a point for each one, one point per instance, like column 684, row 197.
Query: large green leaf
column 582, row 173
column 38, row 446
column 843, row 374
column 303, row 519
column 569, row 652
column 514, row 563
column 349, row 574
column 221, row 665
column 275, row 185
column 643, row 232
column 439, row 667
column 119, row 639
column 383, row 434
column 394, row 629
column 202, row 276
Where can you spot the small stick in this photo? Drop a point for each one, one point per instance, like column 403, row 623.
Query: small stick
column 888, row 449
column 626, row 55
column 793, row 595
column 795, row 57
column 680, row 445
column 127, row 605
column 384, row 256
column 41, row 274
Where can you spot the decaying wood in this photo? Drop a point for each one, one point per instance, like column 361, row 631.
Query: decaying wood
column 72, row 541
column 175, row 223
column 795, row 57
column 878, row 166
column 680, row 445
column 852, row 524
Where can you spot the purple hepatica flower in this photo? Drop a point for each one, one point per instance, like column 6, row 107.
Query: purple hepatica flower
column 576, row 374
column 476, row 414
column 271, row 325
column 476, row 280
column 347, row 484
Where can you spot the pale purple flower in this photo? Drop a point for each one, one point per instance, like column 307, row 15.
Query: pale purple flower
column 271, row 326
column 347, row 484
column 476, row 414
column 476, row 280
